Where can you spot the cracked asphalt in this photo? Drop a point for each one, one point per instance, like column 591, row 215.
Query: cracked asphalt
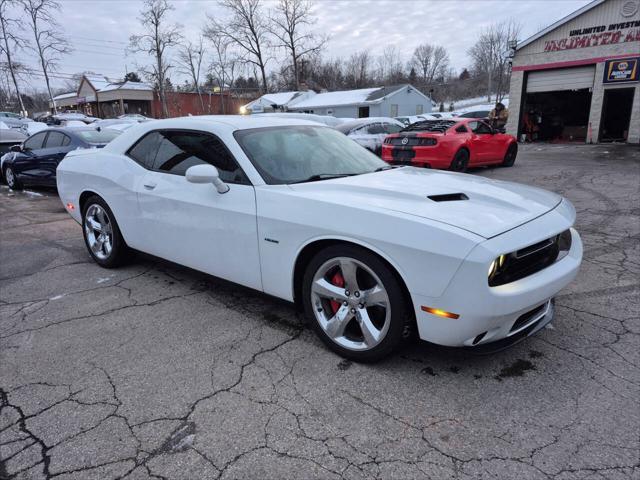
column 157, row 371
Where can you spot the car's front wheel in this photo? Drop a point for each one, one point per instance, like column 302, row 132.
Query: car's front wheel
column 11, row 179
column 355, row 303
column 102, row 235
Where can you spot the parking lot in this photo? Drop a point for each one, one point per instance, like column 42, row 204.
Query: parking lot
column 157, row 371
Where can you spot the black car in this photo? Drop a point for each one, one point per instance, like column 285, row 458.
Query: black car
column 34, row 162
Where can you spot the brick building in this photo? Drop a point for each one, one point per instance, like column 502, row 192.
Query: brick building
column 578, row 79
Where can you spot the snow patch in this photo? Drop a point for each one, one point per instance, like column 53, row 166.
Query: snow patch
column 58, row 297
column 105, row 279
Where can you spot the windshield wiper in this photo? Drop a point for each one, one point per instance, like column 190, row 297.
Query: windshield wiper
column 381, row 169
column 323, row 176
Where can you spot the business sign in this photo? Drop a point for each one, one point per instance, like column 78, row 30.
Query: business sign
column 596, row 36
column 621, row 71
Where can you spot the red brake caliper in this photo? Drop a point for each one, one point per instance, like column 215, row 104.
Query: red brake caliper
column 338, row 281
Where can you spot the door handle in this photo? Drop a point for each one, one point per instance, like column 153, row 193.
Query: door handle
column 150, row 185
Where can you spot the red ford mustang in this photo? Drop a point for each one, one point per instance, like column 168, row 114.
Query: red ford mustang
column 453, row 143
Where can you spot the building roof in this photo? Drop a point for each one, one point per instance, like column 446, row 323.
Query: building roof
column 62, row 96
column 97, row 81
column 279, row 99
column 353, row 97
column 559, row 23
column 126, row 86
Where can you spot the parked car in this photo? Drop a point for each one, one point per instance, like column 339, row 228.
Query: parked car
column 370, row 132
column 135, row 116
column 476, row 114
column 13, row 120
column 408, row 120
column 31, row 128
column 34, row 161
column 109, row 122
column 455, row 144
column 299, row 211
column 9, row 137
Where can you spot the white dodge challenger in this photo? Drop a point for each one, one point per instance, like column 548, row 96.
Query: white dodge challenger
column 301, row 212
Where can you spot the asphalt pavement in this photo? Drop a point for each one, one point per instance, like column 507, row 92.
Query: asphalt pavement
column 158, row 371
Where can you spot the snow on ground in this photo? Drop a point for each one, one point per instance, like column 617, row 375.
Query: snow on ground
column 476, row 103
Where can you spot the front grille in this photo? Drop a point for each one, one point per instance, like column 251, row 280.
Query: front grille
column 531, row 259
column 410, row 141
column 526, row 317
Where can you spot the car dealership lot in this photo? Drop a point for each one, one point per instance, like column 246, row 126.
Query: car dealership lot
column 155, row 369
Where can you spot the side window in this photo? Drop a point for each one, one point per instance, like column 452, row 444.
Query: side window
column 67, row 141
column 482, row 128
column 144, row 152
column 174, row 151
column 35, row 142
column 391, row 128
column 375, row 129
column 55, row 139
column 462, row 129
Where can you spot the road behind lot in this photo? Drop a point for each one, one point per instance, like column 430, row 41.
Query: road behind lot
column 156, row 371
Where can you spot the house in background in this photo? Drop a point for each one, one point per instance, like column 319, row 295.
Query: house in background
column 390, row 101
column 276, row 102
column 98, row 96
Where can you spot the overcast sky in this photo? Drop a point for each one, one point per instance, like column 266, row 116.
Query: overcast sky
column 99, row 29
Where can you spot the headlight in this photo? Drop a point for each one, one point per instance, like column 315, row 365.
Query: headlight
column 564, row 244
column 496, row 266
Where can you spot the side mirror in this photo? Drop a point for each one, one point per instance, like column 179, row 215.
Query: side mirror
column 16, row 148
column 206, row 174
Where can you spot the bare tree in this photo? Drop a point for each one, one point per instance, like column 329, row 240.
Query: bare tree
column 11, row 42
column 430, row 61
column 225, row 61
column 190, row 59
column 289, row 20
column 390, row 68
column 491, row 55
column 49, row 42
column 248, row 29
column 358, row 69
column 158, row 37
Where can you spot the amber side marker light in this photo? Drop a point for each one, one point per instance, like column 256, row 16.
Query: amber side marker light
column 440, row 313
column 70, row 206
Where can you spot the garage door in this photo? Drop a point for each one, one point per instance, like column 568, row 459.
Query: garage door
column 561, row 79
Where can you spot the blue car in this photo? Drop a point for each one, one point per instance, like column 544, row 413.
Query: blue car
column 34, row 162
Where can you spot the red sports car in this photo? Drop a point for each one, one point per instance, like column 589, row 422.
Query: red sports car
column 452, row 143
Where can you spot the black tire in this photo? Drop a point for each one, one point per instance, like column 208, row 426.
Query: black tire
column 120, row 253
column 10, row 178
column 510, row 156
column 460, row 161
column 401, row 323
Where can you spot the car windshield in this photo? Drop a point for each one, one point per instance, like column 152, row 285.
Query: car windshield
column 293, row 154
column 98, row 137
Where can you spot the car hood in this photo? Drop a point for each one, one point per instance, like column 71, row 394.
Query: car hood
column 491, row 207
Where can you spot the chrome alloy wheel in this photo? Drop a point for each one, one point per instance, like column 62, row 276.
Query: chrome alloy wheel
column 97, row 229
column 10, row 178
column 350, row 303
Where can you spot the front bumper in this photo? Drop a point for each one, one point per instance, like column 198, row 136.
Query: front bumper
column 491, row 314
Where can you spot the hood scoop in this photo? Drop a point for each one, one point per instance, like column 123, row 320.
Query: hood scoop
column 448, row 197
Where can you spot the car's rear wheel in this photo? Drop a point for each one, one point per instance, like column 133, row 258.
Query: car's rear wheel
column 460, row 161
column 510, row 156
column 355, row 303
column 11, row 179
column 102, row 235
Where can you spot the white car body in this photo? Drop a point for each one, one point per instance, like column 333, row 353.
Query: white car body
column 370, row 132
column 32, row 128
column 254, row 234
